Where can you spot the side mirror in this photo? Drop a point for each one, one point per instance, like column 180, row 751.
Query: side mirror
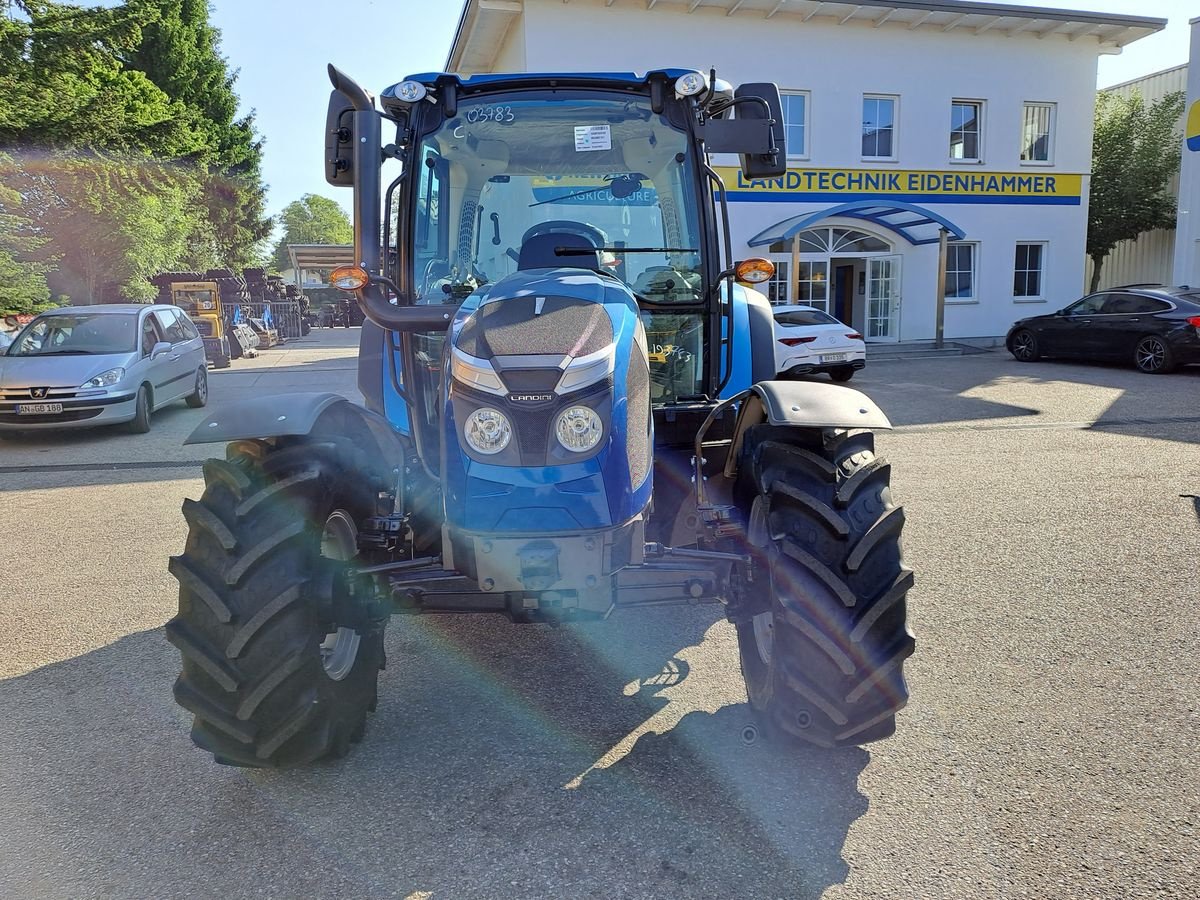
column 760, row 100
column 1061, row 312
column 339, row 141
column 159, row 349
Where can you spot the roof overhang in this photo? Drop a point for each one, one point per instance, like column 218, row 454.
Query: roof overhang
column 915, row 224
column 320, row 256
column 483, row 24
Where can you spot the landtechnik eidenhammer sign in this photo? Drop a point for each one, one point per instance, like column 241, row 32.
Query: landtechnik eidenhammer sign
column 912, row 186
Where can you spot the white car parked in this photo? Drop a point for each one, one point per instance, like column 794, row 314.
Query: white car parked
column 808, row 340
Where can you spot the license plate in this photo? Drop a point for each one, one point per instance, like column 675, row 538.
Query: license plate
column 833, row 357
column 38, row 409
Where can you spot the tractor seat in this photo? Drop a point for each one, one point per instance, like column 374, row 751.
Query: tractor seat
column 538, row 252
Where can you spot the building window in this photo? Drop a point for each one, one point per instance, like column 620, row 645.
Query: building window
column 777, row 287
column 879, row 127
column 1036, row 130
column 966, row 127
column 960, row 270
column 814, row 284
column 1027, row 270
column 795, row 123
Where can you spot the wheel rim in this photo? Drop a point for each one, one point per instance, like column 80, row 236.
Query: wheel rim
column 1151, row 353
column 1023, row 345
column 202, row 385
column 339, row 649
column 764, row 635
column 763, row 624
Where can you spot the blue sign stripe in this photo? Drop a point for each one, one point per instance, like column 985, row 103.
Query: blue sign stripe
column 815, row 196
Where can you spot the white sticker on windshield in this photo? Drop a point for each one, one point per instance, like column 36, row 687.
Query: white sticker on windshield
column 593, row 137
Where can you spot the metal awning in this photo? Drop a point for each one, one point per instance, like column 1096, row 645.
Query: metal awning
column 320, row 256
column 915, row 224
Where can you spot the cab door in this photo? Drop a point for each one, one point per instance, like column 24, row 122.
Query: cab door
column 1070, row 333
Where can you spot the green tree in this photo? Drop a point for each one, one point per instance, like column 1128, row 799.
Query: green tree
column 312, row 219
column 109, row 222
column 23, row 287
column 1135, row 152
column 179, row 51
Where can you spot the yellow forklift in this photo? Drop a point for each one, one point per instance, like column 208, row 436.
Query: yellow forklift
column 201, row 300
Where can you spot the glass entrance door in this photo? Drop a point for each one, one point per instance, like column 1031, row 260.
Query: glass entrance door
column 883, row 298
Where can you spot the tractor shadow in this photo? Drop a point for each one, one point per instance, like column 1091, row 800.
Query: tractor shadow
column 503, row 760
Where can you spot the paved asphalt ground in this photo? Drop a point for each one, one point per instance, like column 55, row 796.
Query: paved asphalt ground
column 1049, row 750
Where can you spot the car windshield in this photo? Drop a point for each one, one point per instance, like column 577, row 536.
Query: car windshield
column 805, row 317
column 605, row 169
column 76, row 334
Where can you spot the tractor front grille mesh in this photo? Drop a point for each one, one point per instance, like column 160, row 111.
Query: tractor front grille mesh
column 513, row 327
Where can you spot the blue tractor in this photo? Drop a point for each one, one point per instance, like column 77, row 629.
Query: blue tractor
column 570, row 410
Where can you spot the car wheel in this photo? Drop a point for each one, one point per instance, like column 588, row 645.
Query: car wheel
column 140, row 423
column 1153, row 355
column 199, row 397
column 842, row 373
column 1024, row 346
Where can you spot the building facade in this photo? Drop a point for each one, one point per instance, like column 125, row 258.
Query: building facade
column 904, row 120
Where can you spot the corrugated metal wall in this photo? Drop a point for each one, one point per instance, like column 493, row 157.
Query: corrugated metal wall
column 1151, row 256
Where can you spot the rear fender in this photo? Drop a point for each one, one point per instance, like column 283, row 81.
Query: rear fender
column 803, row 404
column 316, row 415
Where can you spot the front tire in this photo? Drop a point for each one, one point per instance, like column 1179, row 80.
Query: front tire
column 281, row 654
column 198, row 398
column 140, row 423
column 1153, row 355
column 822, row 631
column 1024, row 346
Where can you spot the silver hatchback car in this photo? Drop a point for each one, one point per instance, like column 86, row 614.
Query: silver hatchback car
column 80, row 366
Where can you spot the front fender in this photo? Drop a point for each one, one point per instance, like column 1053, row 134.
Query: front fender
column 269, row 416
column 317, row 415
column 802, row 404
column 817, row 405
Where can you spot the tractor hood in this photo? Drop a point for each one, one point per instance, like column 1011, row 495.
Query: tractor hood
column 546, row 330
column 525, row 352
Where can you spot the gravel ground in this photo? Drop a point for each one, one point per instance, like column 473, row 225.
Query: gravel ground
column 1048, row 750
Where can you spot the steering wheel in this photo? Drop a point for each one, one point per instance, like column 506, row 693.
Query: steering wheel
column 589, row 233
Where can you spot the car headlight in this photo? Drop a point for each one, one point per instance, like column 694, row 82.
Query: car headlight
column 106, row 379
column 487, row 430
column 579, row 429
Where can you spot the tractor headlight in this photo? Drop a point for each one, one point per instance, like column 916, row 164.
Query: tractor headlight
column 579, row 429
column 487, row 430
column 106, row 379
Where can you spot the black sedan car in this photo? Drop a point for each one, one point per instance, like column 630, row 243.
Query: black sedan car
column 1152, row 326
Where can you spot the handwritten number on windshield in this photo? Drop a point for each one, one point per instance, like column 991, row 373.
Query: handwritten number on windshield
column 503, row 114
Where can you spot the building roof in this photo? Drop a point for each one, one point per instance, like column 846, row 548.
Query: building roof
column 483, row 25
column 321, row 256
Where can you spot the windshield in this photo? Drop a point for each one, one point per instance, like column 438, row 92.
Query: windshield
column 607, row 170
column 85, row 333
column 195, row 300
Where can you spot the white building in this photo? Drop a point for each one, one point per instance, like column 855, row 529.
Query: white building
column 903, row 117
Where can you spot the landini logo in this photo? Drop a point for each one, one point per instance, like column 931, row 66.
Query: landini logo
column 530, row 398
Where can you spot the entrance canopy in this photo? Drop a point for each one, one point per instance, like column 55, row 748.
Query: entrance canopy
column 915, row 224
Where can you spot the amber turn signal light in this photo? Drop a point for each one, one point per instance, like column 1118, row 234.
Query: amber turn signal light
column 349, row 278
column 755, row 270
